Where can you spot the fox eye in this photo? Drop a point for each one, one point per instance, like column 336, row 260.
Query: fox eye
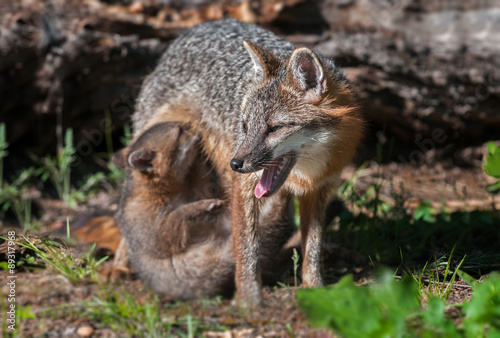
column 275, row 128
column 245, row 127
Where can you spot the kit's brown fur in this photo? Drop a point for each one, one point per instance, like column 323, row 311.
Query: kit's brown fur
column 176, row 225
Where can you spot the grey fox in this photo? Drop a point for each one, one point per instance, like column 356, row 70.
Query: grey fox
column 275, row 121
column 176, row 227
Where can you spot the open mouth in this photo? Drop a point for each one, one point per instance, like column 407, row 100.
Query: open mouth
column 274, row 175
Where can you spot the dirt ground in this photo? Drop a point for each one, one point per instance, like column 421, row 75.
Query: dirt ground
column 42, row 289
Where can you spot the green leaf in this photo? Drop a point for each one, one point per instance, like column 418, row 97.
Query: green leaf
column 53, row 243
column 494, row 188
column 467, row 278
column 482, row 313
column 6, row 205
column 24, row 312
column 356, row 311
column 333, row 307
column 396, row 299
column 491, row 163
column 492, row 148
column 436, row 324
column 425, row 212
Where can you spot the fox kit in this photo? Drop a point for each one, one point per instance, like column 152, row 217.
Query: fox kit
column 275, row 121
column 178, row 236
column 175, row 227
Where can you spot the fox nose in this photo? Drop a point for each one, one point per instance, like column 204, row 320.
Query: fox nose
column 236, row 164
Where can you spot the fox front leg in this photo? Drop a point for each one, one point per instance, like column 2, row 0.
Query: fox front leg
column 189, row 224
column 246, row 243
column 121, row 263
column 312, row 218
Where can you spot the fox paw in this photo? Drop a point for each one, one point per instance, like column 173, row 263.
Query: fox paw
column 214, row 204
column 202, row 208
column 208, row 206
column 115, row 273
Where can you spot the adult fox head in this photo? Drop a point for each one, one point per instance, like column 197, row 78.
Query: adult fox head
column 298, row 121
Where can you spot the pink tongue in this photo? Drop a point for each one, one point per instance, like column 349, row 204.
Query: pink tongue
column 265, row 182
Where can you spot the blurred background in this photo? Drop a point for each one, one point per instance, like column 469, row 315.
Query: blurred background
column 427, row 74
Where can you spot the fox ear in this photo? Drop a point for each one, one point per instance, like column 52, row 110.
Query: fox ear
column 265, row 63
column 187, row 153
column 308, row 72
column 141, row 160
column 119, row 158
column 258, row 61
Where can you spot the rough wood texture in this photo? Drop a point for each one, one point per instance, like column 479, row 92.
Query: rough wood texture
column 429, row 71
